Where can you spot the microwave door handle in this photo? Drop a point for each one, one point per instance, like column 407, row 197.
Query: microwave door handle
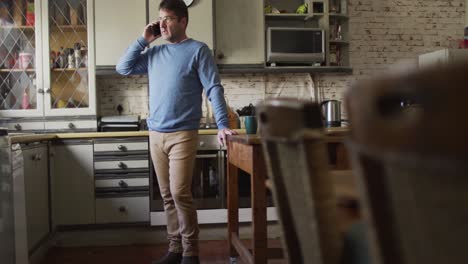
column 206, row 156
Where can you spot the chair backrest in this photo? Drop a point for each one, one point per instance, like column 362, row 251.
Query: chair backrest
column 409, row 148
column 297, row 163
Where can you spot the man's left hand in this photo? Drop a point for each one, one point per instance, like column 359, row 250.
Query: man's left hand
column 222, row 135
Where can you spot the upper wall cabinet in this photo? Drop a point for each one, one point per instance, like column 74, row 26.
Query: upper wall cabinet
column 21, row 73
column 118, row 24
column 47, row 58
column 239, row 32
column 200, row 26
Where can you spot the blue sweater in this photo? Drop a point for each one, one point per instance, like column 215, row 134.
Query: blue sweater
column 177, row 75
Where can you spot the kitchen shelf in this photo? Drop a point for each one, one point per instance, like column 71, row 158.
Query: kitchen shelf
column 69, row 28
column 338, row 16
column 68, row 69
column 283, row 69
column 17, row 70
column 293, row 16
column 18, row 27
column 343, row 42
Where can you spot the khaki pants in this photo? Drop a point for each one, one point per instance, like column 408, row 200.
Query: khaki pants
column 173, row 156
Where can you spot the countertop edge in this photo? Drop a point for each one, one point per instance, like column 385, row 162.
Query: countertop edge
column 27, row 138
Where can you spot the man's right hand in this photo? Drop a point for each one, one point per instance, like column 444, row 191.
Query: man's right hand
column 148, row 32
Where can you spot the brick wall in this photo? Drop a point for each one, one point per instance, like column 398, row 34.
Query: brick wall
column 382, row 34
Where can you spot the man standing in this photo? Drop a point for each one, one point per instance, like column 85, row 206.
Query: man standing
column 178, row 73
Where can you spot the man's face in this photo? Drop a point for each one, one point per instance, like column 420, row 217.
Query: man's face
column 172, row 27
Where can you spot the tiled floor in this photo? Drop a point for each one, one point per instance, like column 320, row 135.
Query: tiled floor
column 211, row 252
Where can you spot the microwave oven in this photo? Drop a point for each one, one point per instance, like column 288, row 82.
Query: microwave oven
column 295, row 45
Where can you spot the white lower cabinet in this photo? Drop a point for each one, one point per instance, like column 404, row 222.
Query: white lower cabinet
column 73, row 182
column 36, row 187
column 122, row 210
column 121, row 179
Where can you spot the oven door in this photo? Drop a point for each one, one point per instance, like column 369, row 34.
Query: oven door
column 207, row 182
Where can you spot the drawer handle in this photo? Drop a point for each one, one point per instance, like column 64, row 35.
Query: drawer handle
column 18, row 127
column 123, row 184
column 122, row 148
column 71, row 125
column 122, row 165
column 122, row 209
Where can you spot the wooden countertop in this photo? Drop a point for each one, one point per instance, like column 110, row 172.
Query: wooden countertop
column 333, row 135
column 26, row 138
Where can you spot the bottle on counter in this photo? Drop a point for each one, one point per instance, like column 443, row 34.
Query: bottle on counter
column 30, row 16
column 71, row 59
column 339, row 34
column 18, row 11
column 77, row 54
column 25, row 101
column 53, row 59
column 61, row 58
column 61, row 13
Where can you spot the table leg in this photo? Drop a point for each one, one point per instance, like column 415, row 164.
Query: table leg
column 233, row 206
column 342, row 161
column 259, row 220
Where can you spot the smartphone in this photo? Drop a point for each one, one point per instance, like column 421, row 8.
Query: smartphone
column 155, row 29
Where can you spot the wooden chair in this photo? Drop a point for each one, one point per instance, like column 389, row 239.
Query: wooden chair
column 409, row 145
column 297, row 163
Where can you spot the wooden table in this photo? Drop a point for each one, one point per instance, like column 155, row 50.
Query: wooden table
column 245, row 152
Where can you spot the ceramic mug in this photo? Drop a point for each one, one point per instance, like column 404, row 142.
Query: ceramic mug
column 250, row 123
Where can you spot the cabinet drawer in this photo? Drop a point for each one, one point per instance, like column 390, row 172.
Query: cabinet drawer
column 24, row 126
column 122, row 183
column 122, row 210
column 120, row 147
column 73, row 125
column 121, row 165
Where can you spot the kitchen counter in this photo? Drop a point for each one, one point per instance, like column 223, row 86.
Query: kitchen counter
column 26, row 138
column 332, row 135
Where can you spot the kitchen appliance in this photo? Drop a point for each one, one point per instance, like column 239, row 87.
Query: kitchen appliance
column 304, row 45
column 442, row 57
column 331, row 113
column 119, row 123
column 209, row 187
column 208, row 177
column 7, row 233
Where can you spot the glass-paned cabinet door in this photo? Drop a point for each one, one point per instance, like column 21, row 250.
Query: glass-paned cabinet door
column 20, row 56
column 70, row 80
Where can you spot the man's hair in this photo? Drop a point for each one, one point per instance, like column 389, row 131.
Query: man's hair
column 177, row 6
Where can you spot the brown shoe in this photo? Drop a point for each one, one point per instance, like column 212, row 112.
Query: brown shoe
column 190, row 260
column 169, row 258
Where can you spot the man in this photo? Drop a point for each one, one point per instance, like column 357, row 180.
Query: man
column 178, row 73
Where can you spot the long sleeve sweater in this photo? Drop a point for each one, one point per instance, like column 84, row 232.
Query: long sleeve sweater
column 177, row 73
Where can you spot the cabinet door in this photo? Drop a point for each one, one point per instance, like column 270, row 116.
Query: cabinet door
column 21, row 92
column 200, row 26
column 118, row 23
column 73, row 183
column 68, row 57
column 36, row 181
column 239, row 32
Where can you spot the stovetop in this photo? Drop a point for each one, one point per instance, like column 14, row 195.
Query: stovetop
column 208, row 126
